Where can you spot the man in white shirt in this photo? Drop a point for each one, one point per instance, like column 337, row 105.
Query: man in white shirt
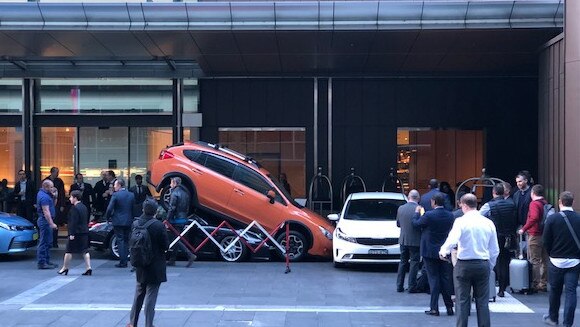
column 477, row 251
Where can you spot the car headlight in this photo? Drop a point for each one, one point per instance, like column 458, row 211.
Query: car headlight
column 6, row 226
column 341, row 235
column 325, row 232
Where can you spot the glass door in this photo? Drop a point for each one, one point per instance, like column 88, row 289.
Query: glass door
column 103, row 148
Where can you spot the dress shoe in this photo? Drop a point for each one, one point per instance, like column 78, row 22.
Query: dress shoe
column 501, row 293
column 192, row 258
column 450, row 311
column 63, row 272
column 432, row 312
column 45, row 266
column 414, row 290
column 400, row 290
column 89, row 272
column 119, row 265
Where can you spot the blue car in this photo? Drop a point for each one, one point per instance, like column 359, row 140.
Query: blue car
column 16, row 234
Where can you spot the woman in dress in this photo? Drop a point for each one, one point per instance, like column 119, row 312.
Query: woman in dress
column 78, row 233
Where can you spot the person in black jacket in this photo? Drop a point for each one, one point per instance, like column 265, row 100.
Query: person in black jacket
column 141, row 193
column 78, row 234
column 25, row 195
column 564, row 263
column 149, row 278
column 86, row 190
column 177, row 216
column 503, row 214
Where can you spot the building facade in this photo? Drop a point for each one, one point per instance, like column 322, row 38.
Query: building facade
column 427, row 88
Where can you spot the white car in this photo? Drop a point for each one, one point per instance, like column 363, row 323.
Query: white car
column 367, row 230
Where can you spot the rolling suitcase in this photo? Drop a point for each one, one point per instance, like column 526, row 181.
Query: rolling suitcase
column 519, row 272
column 492, row 291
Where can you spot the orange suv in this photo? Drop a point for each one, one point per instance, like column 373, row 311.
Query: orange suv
column 229, row 185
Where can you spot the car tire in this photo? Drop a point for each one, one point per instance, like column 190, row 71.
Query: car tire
column 236, row 253
column 164, row 196
column 113, row 247
column 339, row 264
column 298, row 246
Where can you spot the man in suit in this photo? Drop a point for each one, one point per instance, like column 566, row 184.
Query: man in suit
column 25, row 195
column 436, row 225
column 120, row 209
column 141, row 192
column 86, row 191
column 409, row 242
column 434, row 189
column 503, row 214
column 523, row 196
column 149, row 278
column 564, row 263
column 100, row 188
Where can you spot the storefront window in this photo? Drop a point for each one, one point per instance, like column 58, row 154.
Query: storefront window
column 190, row 95
column 57, row 146
column 130, row 95
column 12, row 148
column 279, row 150
column 10, row 96
column 103, row 148
column 146, row 143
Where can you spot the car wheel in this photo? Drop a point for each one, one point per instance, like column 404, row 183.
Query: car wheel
column 113, row 247
column 339, row 264
column 236, row 253
column 297, row 247
column 164, row 196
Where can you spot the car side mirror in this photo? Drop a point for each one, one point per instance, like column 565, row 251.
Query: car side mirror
column 333, row 216
column 271, row 195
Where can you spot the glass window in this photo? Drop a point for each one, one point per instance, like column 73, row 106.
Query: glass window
column 252, row 180
column 281, row 151
column 57, row 149
column 373, row 209
column 103, row 148
column 12, row 148
column 106, row 95
column 146, row 143
column 10, row 95
column 192, row 155
column 190, row 95
column 220, row 165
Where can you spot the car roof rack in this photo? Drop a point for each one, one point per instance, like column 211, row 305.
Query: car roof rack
column 231, row 152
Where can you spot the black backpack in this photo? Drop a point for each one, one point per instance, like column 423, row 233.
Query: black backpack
column 548, row 211
column 140, row 247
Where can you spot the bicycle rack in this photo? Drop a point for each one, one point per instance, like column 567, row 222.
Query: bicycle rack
column 393, row 177
column 239, row 237
column 483, row 181
column 318, row 203
column 350, row 182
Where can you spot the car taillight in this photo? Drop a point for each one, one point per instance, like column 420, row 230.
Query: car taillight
column 165, row 155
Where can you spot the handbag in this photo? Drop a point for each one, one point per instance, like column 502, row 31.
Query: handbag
column 571, row 229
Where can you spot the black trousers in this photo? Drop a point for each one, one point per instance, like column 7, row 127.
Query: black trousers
column 439, row 273
column 502, row 268
column 470, row 274
column 144, row 293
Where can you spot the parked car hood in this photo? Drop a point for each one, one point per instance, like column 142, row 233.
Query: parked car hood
column 14, row 220
column 370, row 229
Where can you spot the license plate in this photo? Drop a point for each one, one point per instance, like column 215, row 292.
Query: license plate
column 378, row 251
column 34, row 236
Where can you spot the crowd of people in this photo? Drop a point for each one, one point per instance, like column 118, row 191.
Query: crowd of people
column 459, row 249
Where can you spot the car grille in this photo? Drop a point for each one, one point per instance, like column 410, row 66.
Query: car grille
column 375, row 256
column 24, row 227
column 22, row 245
column 377, row 241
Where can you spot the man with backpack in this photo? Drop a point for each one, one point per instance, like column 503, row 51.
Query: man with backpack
column 539, row 208
column 148, row 246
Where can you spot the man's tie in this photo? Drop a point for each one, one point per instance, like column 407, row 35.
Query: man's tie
column 139, row 189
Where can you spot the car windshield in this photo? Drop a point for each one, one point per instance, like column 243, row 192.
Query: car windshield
column 373, row 209
column 286, row 194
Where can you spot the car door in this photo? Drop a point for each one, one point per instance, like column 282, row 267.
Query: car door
column 250, row 202
column 214, row 184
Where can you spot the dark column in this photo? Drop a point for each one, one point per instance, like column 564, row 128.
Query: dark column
column 29, row 94
column 177, row 110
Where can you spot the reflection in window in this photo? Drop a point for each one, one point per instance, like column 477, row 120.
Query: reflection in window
column 106, row 95
column 11, row 148
column 57, row 150
column 10, row 95
column 146, row 143
column 190, row 95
